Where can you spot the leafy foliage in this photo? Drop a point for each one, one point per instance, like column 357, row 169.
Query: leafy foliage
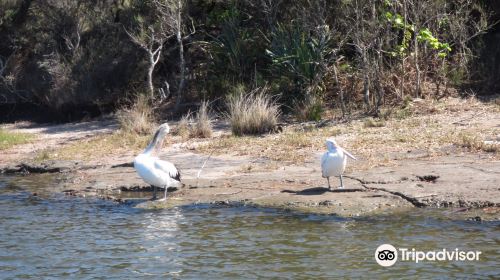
column 300, row 57
column 311, row 54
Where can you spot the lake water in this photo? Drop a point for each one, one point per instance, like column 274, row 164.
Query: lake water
column 51, row 236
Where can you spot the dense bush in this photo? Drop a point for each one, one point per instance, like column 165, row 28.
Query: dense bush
column 312, row 54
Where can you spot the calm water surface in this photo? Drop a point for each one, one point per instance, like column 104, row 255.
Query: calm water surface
column 53, row 236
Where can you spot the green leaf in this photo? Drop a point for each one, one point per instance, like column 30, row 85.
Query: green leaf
column 388, row 16
column 398, row 20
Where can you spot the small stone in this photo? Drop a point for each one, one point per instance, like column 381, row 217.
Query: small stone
column 428, row 178
column 325, row 203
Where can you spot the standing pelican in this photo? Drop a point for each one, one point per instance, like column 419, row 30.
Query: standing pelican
column 154, row 171
column 334, row 161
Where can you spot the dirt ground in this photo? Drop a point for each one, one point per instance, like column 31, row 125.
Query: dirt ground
column 448, row 175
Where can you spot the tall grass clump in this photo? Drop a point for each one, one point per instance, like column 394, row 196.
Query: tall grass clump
column 198, row 126
column 203, row 123
column 138, row 118
column 183, row 128
column 252, row 113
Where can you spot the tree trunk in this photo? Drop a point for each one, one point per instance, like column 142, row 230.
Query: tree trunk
column 378, row 72
column 182, row 62
column 149, row 82
column 401, row 85
column 417, row 68
column 366, row 80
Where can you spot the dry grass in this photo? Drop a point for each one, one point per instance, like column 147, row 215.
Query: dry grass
column 463, row 124
column 476, row 143
column 130, row 139
column 9, row 139
column 370, row 122
column 198, row 127
column 427, row 127
column 98, row 147
column 293, row 145
column 253, row 113
column 139, row 118
column 183, row 128
column 259, row 167
column 203, row 123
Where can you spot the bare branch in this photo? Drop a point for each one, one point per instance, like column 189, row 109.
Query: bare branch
column 157, row 53
column 193, row 31
column 136, row 40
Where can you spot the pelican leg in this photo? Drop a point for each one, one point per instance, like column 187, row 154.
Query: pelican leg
column 341, row 184
column 328, row 179
column 154, row 192
column 165, row 196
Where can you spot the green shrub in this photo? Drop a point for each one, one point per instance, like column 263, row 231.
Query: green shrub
column 309, row 110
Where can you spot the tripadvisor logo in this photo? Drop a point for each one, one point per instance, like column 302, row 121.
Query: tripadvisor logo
column 387, row 255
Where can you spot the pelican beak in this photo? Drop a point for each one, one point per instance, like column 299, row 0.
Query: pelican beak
column 349, row 154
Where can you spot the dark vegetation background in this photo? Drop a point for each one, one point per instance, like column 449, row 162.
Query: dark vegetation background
column 72, row 59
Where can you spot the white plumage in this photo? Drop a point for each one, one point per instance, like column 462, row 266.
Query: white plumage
column 154, row 171
column 334, row 161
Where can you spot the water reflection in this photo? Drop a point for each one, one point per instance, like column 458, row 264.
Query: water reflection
column 159, row 231
column 53, row 236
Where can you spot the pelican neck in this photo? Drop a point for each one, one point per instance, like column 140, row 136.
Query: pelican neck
column 333, row 149
column 156, row 140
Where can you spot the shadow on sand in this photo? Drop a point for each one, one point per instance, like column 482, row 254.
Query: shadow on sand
column 321, row 190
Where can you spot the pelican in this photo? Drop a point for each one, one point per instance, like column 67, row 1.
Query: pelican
column 334, row 161
column 154, row 171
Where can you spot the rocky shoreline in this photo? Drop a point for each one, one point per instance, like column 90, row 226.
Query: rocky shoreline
column 427, row 182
